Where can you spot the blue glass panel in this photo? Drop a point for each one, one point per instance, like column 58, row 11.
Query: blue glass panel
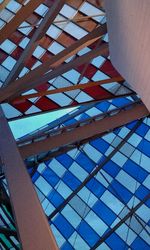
column 100, row 144
column 95, row 187
column 135, row 171
column 71, row 180
column 67, row 246
column 139, row 244
column 120, row 191
column 85, row 162
column 55, row 198
column 115, row 242
column 141, row 193
column 144, row 147
column 142, row 130
column 65, row 160
column 50, row 176
column 120, row 102
column 70, row 122
column 104, row 212
column 87, row 233
column 103, row 106
column 63, row 226
column 35, row 176
column 131, row 124
column 111, row 168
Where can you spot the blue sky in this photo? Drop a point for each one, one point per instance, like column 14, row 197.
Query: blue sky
column 27, row 125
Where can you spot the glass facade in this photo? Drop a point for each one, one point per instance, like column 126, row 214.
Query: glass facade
column 94, row 193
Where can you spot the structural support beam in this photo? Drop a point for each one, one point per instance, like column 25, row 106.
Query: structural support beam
column 3, row 4
column 38, row 34
column 128, row 29
column 83, row 132
column 20, row 16
column 111, row 231
column 94, row 172
column 69, row 88
column 33, row 228
column 35, row 77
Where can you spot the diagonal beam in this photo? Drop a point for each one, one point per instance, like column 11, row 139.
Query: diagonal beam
column 83, row 132
column 20, row 16
column 56, row 60
column 69, row 88
column 94, row 172
column 26, row 206
column 40, row 31
column 123, row 220
column 3, row 4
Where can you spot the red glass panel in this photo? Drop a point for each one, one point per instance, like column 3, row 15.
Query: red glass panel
column 45, row 104
column 98, row 92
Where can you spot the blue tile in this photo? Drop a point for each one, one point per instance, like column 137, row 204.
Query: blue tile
column 87, row 233
column 63, row 226
column 104, row 212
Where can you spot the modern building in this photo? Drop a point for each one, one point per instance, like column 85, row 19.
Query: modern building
column 82, row 181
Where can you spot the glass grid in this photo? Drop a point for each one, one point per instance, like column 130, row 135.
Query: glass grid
column 100, row 204
column 122, row 182
column 58, row 37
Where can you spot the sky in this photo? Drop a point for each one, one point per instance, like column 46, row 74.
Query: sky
column 26, row 125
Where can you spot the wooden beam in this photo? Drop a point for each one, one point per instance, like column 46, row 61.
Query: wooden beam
column 26, row 206
column 20, row 16
column 69, row 88
column 53, row 62
column 3, row 4
column 38, row 34
column 83, row 132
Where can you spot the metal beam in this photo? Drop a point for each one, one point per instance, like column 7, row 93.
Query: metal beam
column 40, row 31
column 83, row 132
column 69, row 88
column 20, row 16
column 35, row 76
column 94, row 172
column 33, row 228
column 123, row 220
